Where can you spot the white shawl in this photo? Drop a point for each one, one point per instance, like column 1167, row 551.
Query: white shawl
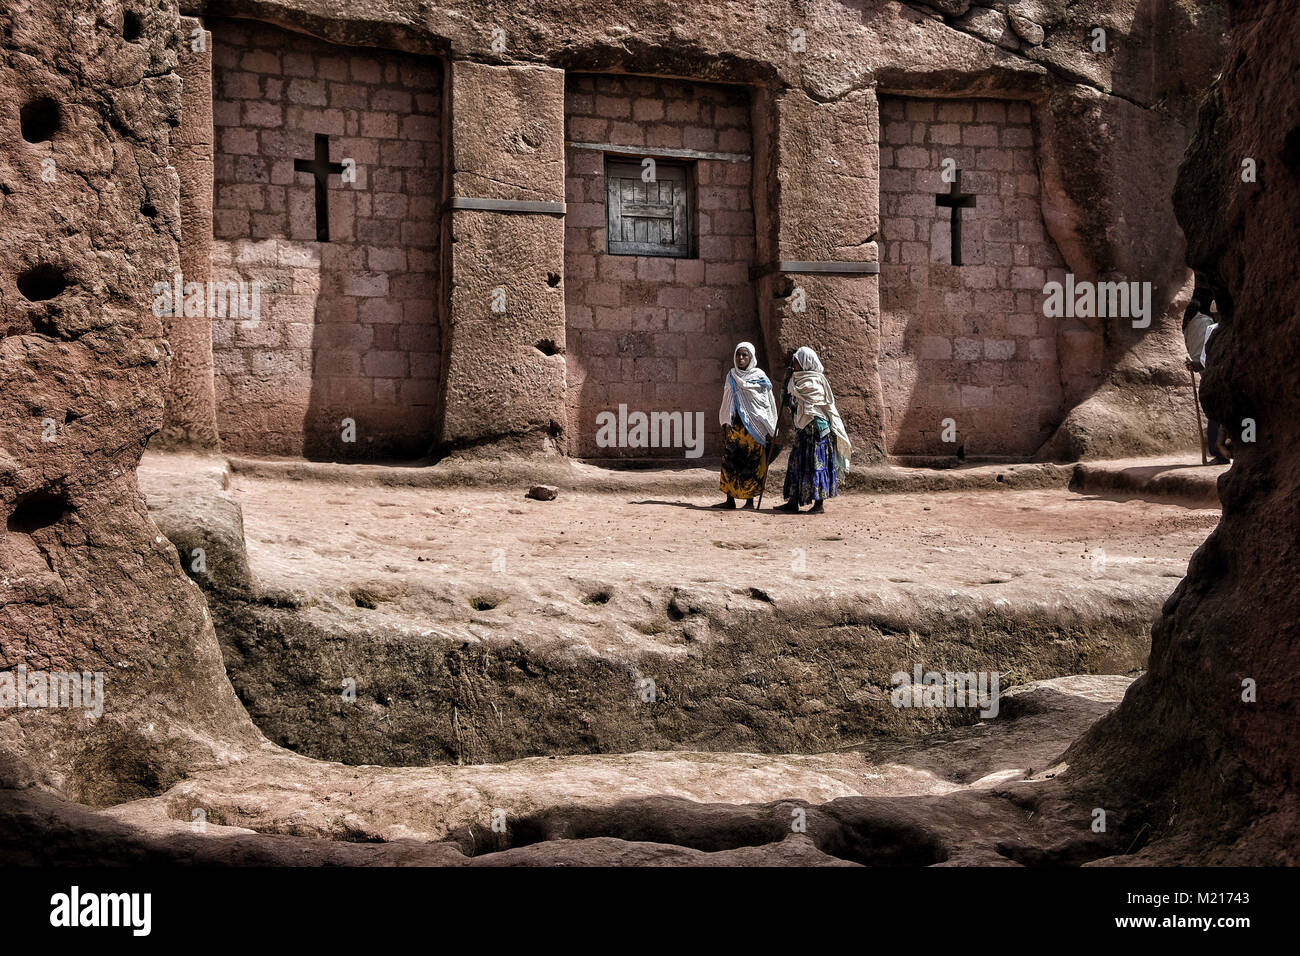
column 747, row 393
column 813, row 397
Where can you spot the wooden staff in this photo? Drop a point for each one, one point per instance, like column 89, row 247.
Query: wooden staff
column 1200, row 430
column 771, row 451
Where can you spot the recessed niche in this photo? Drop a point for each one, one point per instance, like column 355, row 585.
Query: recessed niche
column 547, row 347
column 36, row 510
column 40, row 120
column 42, row 282
column 132, row 26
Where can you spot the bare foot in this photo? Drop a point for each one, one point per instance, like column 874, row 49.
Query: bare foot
column 729, row 503
column 748, row 505
column 790, row 507
column 817, row 509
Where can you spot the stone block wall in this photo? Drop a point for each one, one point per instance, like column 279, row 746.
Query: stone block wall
column 349, row 328
column 656, row 333
column 967, row 342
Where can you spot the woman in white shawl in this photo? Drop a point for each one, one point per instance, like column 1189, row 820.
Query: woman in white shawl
column 821, row 449
column 748, row 420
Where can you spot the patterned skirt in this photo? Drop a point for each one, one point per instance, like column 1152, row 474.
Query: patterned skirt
column 744, row 463
column 810, row 473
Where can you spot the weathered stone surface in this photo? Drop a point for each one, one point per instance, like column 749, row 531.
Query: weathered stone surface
column 820, row 162
column 89, row 583
column 989, row 24
column 501, row 653
column 190, row 419
column 501, row 388
column 189, row 501
column 1026, row 29
column 952, row 8
column 542, row 492
column 509, row 142
column 1106, row 165
column 1210, row 774
column 507, row 296
column 705, row 802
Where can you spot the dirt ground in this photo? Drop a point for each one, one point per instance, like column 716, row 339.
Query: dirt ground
column 477, row 547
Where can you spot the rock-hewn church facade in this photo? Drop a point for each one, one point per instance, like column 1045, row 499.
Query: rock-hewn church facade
column 484, row 231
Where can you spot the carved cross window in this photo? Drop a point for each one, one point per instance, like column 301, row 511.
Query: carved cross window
column 650, row 208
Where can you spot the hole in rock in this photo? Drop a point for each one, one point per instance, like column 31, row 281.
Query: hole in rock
column 42, row 282
column 876, row 842
column 40, row 120
column 597, row 597
column 366, row 599
column 132, row 26
column 552, row 279
column 547, row 347
column 483, row 603
column 36, row 510
column 149, row 210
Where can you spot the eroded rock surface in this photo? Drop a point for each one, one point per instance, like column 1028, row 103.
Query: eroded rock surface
column 1210, row 773
column 472, row 625
column 87, row 583
column 1193, row 772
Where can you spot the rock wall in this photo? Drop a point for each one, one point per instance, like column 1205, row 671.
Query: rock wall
column 90, row 585
column 1202, row 754
column 190, row 417
column 1111, row 116
column 90, row 213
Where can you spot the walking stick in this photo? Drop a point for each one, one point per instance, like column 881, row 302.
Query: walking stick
column 772, row 450
column 1200, row 431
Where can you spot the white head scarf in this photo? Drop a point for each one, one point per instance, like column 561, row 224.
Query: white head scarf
column 813, row 397
column 748, row 394
column 808, row 360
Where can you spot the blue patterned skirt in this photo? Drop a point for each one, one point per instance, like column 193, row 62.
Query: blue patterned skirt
column 810, row 473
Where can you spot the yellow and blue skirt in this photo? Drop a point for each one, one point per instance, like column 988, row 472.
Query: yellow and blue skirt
column 744, row 463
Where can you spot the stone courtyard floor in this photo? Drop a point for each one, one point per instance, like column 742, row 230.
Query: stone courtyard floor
column 393, row 570
column 435, row 551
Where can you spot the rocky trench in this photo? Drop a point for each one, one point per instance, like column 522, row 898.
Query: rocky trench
column 772, row 679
